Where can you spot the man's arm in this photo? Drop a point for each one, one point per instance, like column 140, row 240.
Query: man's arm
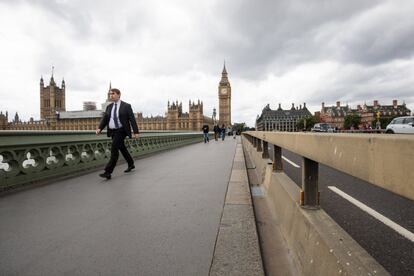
column 132, row 121
column 103, row 123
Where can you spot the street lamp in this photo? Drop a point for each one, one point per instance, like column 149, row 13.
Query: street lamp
column 214, row 116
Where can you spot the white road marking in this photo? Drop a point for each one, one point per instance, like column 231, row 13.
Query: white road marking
column 399, row 229
column 290, row 162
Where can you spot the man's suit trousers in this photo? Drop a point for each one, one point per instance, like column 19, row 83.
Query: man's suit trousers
column 118, row 144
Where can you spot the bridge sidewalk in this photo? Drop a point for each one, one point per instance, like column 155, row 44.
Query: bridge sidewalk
column 161, row 219
column 237, row 250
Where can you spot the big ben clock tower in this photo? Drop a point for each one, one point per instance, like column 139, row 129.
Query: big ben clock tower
column 224, row 94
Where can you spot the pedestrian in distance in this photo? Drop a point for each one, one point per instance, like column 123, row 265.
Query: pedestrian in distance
column 205, row 130
column 223, row 132
column 216, row 132
column 118, row 118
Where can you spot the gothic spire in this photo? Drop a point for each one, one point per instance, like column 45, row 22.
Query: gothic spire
column 224, row 80
column 108, row 99
column 52, row 80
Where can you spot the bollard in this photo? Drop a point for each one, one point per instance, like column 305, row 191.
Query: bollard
column 310, row 183
column 277, row 159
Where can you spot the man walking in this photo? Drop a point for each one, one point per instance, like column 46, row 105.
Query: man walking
column 216, row 131
column 206, row 129
column 119, row 118
column 223, row 132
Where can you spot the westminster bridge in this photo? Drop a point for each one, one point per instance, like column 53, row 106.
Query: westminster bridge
column 266, row 203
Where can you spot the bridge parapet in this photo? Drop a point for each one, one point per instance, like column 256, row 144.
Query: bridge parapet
column 319, row 246
column 34, row 156
column 383, row 160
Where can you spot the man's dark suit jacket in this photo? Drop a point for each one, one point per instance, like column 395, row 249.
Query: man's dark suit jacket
column 126, row 116
column 205, row 129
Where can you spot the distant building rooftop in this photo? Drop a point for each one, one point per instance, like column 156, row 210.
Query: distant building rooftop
column 80, row 114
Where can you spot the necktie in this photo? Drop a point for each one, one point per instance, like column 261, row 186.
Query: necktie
column 116, row 117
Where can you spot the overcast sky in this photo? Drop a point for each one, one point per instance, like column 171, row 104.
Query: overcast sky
column 276, row 51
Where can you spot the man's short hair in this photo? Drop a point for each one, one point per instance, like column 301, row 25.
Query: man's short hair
column 116, row 90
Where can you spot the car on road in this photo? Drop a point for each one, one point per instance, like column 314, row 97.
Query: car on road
column 401, row 125
column 322, row 127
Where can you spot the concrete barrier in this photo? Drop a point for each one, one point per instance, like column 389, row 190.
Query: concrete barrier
column 383, row 160
column 318, row 244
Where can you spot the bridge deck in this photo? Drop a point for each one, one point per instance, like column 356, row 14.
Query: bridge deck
column 160, row 219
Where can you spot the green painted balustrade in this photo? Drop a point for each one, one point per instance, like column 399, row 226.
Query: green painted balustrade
column 27, row 157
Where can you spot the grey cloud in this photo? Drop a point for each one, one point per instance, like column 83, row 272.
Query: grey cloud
column 358, row 85
column 275, row 36
column 59, row 12
column 55, row 56
column 97, row 21
column 378, row 36
column 381, row 46
column 282, row 32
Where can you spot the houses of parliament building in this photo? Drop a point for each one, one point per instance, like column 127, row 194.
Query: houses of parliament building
column 53, row 114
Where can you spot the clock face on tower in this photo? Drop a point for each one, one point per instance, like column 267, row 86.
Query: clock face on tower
column 223, row 91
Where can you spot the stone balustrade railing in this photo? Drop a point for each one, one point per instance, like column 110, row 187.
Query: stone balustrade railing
column 27, row 157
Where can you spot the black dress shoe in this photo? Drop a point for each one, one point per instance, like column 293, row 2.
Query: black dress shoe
column 105, row 175
column 130, row 168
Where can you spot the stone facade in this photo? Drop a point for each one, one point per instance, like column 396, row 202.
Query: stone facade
column 175, row 119
column 280, row 119
column 3, row 120
column 194, row 119
column 52, row 99
column 335, row 115
column 54, row 116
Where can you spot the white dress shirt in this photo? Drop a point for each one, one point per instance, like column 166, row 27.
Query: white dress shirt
column 111, row 121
